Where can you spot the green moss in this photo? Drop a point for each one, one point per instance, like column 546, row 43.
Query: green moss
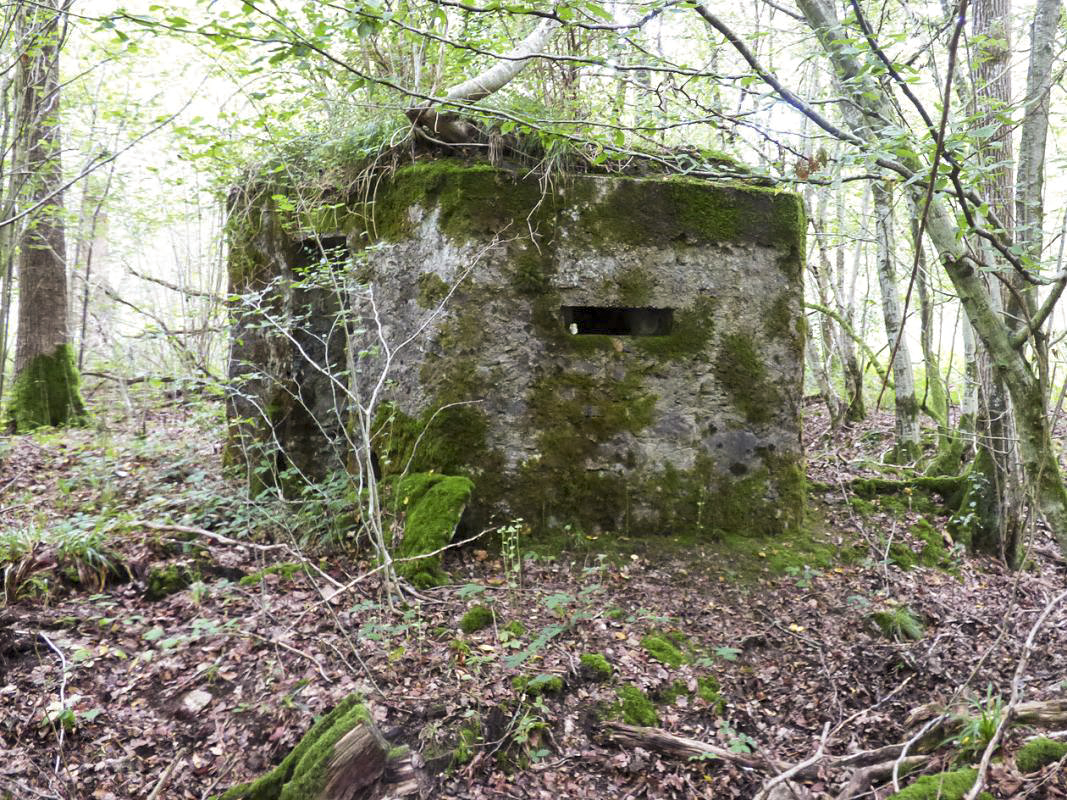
column 1039, row 753
column 467, row 740
column 432, row 290
column 661, row 649
column 780, row 321
column 635, row 707
column 669, row 695
column 898, row 623
column 164, row 581
column 692, row 330
column 742, row 375
column 902, row 556
column 632, row 286
column 47, row 393
column 471, row 200
column 709, row 691
column 445, row 442
column 287, row 571
column 476, row 619
column 656, row 212
column 515, row 628
column 538, row 684
column 595, row 667
column 433, row 504
column 934, row 553
column 301, row 774
column 943, row 786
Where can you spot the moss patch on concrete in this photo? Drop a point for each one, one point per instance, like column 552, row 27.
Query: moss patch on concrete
column 740, row 371
column 658, row 212
column 47, row 393
column 302, row 774
column 433, row 504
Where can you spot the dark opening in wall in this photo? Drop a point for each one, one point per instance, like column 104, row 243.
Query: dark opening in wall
column 331, row 249
column 617, row 321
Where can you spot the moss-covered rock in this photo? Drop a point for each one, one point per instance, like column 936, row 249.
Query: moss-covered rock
column 538, row 684
column 1039, row 753
column 169, row 579
column 47, row 393
column 303, row 773
column 943, row 786
column 476, row 619
column 635, row 707
column 433, row 505
column 663, row 650
column 595, row 667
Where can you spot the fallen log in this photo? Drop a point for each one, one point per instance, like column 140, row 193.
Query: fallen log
column 660, row 741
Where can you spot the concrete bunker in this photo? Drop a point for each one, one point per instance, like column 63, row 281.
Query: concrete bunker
column 612, row 353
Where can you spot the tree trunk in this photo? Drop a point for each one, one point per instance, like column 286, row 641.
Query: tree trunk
column 936, row 399
column 857, row 410
column 865, row 107
column 907, row 448
column 45, row 389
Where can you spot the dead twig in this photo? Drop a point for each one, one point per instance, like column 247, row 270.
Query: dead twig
column 796, row 769
column 1016, row 696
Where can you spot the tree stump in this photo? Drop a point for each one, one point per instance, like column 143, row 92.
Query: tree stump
column 343, row 757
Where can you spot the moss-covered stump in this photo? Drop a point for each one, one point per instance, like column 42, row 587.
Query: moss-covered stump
column 47, row 393
column 342, row 757
column 433, row 505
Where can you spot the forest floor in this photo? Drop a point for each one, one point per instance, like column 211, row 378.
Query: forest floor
column 114, row 685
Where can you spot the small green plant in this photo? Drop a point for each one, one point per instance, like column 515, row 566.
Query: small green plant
column 511, row 556
column 898, row 623
column 736, row 742
column 530, row 729
column 979, row 726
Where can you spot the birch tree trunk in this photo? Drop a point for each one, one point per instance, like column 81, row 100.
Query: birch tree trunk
column 45, row 390
column 907, row 448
